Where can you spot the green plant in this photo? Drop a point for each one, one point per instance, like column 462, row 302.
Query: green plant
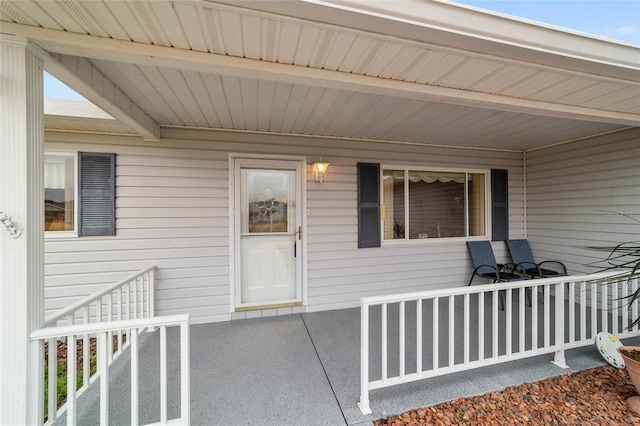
column 624, row 257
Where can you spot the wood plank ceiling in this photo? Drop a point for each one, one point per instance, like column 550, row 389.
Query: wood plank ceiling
column 181, row 95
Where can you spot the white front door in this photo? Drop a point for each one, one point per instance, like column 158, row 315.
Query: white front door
column 268, row 233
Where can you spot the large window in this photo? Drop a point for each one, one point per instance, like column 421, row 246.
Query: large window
column 428, row 204
column 60, row 192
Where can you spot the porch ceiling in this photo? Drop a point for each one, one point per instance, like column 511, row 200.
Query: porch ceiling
column 420, row 72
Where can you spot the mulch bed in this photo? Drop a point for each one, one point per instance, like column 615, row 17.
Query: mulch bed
column 590, row 397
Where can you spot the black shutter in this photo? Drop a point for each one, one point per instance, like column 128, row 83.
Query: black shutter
column 97, row 194
column 368, row 205
column 499, row 205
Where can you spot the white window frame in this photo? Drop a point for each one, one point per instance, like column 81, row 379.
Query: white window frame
column 466, row 171
column 74, row 233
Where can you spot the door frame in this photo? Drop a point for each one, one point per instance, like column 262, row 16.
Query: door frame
column 234, row 246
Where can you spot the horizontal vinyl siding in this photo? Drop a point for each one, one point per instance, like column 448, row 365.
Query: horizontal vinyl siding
column 575, row 194
column 172, row 208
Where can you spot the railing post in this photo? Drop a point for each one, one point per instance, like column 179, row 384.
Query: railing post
column 558, row 358
column 364, row 359
column 185, row 371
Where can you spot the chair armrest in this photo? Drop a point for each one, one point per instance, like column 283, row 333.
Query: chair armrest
column 557, row 262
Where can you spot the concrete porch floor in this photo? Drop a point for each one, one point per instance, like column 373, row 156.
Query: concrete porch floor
column 300, row 369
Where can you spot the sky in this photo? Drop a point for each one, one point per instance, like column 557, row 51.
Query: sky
column 613, row 19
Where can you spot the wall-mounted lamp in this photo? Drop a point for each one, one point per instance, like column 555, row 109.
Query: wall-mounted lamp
column 319, row 169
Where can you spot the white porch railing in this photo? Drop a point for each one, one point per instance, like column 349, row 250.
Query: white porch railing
column 128, row 299
column 495, row 323
column 103, row 331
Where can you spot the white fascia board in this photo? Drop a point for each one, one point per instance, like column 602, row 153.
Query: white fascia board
column 160, row 56
column 457, row 26
column 73, row 108
column 84, row 78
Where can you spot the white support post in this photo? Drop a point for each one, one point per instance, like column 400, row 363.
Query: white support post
column 103, row 367
column 185, row 374
column 558, row 358
column 364, row 360
column 21, row 254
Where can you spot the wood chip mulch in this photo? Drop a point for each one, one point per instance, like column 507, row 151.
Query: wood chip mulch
column 590, row 397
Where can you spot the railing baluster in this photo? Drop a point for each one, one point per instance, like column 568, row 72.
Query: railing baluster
column 583, row 310
column 634, row 307
column 604, row 307
column 71, row 380
column 163, row 375
column 364, row 360
column 452, row 339
column 614, row 308
column 53, row 379
column 109, row 335
column 547, row 316
column 572, row 312
column 435, row 327
column 134, row 378
column 152, row 293
column 401, row 340
column 494, row 325
column 481, row 326
column 467, row 315
column 594, row 311
column 86, row 350
column 119, row 338
column 419, row 336
column 521, row 320
column 104, row 378
column 135, row 298
column 383, row 340
column 534, row 318
column 508, row 323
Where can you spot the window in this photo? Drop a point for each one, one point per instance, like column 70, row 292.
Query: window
column 427, row 204
column 79, row 193
column 60, row 192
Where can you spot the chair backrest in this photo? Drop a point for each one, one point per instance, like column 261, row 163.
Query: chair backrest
column 482, row 254
column 521, row 253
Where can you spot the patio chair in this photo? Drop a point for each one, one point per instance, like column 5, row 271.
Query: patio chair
column 486, row 266
column 526, row 265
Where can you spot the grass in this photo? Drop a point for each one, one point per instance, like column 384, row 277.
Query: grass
column 61, row 373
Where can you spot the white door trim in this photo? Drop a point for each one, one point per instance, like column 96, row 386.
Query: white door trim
column 233, row 246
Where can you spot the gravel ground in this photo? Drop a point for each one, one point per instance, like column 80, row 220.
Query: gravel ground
column 590, row 397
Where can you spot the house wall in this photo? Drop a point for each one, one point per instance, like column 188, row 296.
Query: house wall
column 577, row 195
column 172, row 210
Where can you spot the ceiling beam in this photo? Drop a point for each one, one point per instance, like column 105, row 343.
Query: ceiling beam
column 80, row 75
column 160, row 56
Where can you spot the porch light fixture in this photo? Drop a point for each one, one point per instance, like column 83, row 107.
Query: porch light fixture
column 319, row 169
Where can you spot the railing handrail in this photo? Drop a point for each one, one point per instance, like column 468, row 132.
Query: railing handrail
column 459, row 291
column 94, row 296
column 101, row 327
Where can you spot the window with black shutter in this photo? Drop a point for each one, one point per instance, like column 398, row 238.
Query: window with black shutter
column 368, row 205
column 96, row 194
column 499, row 205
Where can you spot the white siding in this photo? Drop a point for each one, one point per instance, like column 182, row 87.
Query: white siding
column 172, row 210
column 576, row 194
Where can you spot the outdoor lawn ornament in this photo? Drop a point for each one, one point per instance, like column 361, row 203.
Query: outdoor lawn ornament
column 631, row 355
column 607, row 345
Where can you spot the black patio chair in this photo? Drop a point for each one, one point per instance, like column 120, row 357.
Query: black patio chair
column 485, row 265
column 484, row 262
column 526, row 265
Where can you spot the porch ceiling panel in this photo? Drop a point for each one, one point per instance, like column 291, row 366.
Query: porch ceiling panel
column 185, row 95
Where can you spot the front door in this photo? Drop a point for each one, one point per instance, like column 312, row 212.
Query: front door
column 268, row 233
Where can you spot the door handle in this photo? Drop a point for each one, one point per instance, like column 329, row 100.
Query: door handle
column 299, row 232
